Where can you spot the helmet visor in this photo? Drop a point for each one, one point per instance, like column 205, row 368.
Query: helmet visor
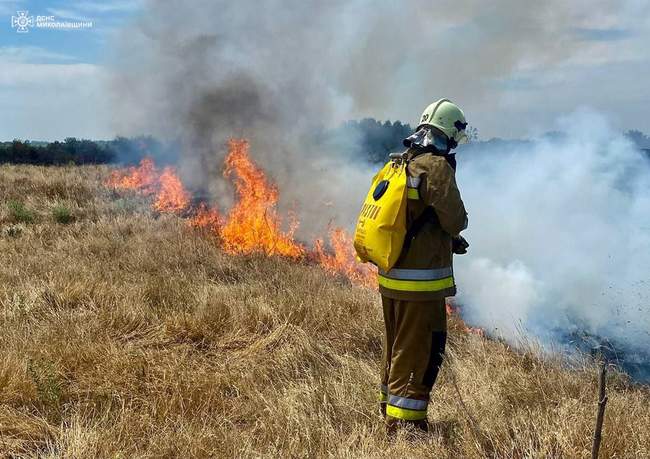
column 426, row 137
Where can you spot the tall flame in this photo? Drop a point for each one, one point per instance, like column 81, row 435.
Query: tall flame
column 253, row 224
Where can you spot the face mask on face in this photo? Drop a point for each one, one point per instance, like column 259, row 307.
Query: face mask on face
column 427, row 139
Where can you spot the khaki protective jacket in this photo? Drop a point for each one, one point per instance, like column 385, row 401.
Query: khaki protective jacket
column 424, row 270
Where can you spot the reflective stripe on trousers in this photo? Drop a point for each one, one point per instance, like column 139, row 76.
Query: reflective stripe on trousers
column 407, row 409
column 417, row 280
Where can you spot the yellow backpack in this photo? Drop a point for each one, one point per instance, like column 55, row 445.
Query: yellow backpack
column 381, row 227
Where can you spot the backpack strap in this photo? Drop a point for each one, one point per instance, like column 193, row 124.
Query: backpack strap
column 428, row 215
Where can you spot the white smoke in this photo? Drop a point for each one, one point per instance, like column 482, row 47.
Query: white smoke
column 277, row 71
column 560, row 231
column 560, row 237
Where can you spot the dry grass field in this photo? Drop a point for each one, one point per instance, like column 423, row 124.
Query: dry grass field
column 126, row 334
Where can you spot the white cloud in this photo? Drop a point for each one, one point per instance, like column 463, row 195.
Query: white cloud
column 115, row 6
column 89, row 10
column 71, row 14
column 51, row 101
column 30, row 54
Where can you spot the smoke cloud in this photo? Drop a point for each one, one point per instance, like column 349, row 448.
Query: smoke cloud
column 278, row 72
column 560, row 235
column 265, row 71
column 560, row 232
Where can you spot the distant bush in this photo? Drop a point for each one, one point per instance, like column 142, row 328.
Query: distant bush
column 62, row 214
column 19, row 213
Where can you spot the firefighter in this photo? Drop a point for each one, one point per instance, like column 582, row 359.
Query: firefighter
column 413, row 291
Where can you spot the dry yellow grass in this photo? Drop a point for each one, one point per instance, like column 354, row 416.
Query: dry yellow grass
column 125, row 334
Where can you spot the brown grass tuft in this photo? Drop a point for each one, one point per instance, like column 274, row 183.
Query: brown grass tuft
column 126, row 334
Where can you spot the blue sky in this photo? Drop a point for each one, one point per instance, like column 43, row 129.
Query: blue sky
column 55, row 46
column 53, row 82
column 515, row 66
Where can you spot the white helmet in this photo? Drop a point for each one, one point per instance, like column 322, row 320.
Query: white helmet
column 445, row 116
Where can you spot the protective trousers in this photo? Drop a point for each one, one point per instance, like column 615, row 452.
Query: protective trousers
column 414, row 345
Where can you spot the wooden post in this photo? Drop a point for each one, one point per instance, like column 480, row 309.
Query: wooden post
column 602, row 401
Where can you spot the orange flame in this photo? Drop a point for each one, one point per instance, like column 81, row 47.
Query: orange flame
column 343, row 259
column 253, row 224
column 172, row 196
column 143, row 179
column 207, row 218
column 454, row 309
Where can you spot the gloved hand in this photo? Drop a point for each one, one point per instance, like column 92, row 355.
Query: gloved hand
column 459, row 245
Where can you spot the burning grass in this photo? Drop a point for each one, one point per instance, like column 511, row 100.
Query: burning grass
column 252, row 225
column 126, row 333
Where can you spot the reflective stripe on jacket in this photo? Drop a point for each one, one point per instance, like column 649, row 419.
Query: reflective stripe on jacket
column 417, row 280
column 424, row 270
column 413, row 185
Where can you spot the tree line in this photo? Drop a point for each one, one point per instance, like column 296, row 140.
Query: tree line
column 84, row 151
column 367, row 139
column 70, row 150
